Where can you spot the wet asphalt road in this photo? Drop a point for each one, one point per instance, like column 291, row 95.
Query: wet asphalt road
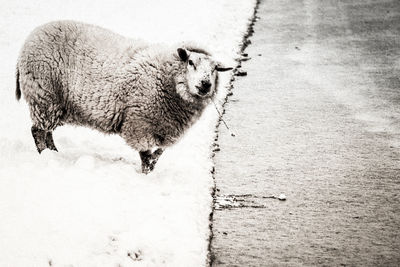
column 317, row 119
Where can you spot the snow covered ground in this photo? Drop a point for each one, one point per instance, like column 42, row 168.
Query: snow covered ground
column 88, row 204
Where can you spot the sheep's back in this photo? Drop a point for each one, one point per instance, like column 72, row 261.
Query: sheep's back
column 71, row 52
column 78, row 63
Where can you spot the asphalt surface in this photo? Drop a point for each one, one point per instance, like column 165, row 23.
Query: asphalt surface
column 317, row 119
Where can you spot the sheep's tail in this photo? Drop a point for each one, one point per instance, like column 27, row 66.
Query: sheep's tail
column 18, row 89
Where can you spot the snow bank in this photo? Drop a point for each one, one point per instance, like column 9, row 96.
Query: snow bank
column 88, row 205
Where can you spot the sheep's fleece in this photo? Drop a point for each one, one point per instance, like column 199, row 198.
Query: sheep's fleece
column 71, row 72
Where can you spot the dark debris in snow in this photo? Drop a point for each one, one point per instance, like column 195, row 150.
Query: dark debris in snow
column 135, row 255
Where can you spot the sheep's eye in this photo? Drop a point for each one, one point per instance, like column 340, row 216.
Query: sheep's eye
column 191, row 62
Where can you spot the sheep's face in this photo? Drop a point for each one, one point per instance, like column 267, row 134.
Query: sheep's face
column 201, row 73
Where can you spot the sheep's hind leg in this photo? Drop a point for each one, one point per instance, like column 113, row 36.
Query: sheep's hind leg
column 50, row 142
column 43, row 139
column 39, row 136
column 155, row 156
column 149, row 159
column 46, row 113
column 145, row 156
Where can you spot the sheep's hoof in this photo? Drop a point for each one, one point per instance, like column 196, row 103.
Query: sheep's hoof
column 39, row 136
column 148, row 166
column 43, row 139
column 147, row 163
column 50, row 142
column 146, row 169
column 149, row 159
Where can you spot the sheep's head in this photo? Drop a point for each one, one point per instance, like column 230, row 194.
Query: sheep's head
column 201, row 73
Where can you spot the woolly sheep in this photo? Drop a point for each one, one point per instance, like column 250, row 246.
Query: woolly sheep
column 72, row 72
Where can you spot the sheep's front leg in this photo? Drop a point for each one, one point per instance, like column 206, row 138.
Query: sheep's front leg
column 149, row 159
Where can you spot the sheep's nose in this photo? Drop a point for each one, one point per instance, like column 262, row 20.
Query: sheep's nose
column 205, row 88
column 206, row 84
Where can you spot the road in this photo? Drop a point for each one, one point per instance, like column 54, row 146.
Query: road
column 317, row 118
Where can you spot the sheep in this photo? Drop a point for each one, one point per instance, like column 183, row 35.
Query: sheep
column 76, row 73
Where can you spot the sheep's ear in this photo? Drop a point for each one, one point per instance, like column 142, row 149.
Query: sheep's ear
column 183, row 54
column 222, row 68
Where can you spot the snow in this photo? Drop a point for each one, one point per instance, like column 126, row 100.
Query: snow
column 88, row 204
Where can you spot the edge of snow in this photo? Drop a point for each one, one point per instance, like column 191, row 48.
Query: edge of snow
column 245, row 42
